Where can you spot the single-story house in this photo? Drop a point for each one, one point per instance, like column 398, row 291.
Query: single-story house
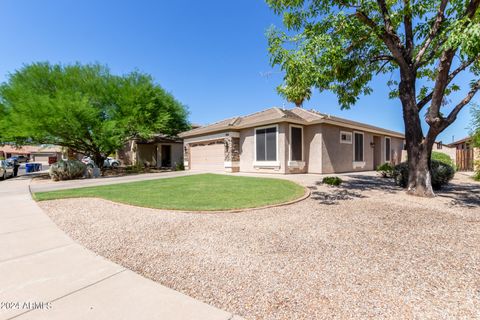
column 36, row 153
column 295, row 140
column 158, row 151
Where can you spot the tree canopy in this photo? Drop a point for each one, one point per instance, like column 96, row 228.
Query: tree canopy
column 85, row 108
column 341, row 45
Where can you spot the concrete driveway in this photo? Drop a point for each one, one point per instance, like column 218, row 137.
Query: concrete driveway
column 44, row 274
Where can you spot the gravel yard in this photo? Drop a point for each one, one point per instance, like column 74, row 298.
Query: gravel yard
column 364, row 250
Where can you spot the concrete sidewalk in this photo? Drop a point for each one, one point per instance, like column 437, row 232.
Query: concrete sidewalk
column 46, row 275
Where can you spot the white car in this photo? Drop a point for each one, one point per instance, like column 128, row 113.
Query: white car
column 6, row 169
column 109, row 162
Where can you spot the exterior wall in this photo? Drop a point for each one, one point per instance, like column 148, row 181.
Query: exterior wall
column 313, row 148
column 247, row 151
column 449, row 151
column 127, row 154
column 176, row 153
column 338, row 157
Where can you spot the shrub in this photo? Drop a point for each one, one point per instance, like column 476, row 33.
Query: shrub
column 67, row 170
column 179, row 166
column 333, row 181
column 441, row 173
column 137, row 168
column 442, row 157
column 385, row 170
column 476, row 176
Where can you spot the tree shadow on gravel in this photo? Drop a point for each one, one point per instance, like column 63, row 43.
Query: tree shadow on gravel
column 353, row 188
column 335, row 196
column 466, row 195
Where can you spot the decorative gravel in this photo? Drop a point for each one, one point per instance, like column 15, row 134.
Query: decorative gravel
column 363, row 250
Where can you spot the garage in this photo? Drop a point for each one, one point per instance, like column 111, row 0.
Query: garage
column 208, row 156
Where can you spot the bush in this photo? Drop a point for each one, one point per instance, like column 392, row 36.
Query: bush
column 385, row 170
column 476, row 176
column 442, row 173
column 179, row 166
column 137, row 168
column 333, row 181
column 442, row 157
column 67, row 170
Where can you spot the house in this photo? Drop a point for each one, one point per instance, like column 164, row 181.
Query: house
column 158, row 151
column 36, row 153
column 447, row 149
column 294, row 140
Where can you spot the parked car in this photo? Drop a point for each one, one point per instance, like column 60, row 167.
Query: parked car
column 109, row 162
column 18, row 159
column 6, row 169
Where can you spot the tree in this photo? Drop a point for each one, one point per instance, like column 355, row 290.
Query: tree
column 85, row 108
column 426, row 43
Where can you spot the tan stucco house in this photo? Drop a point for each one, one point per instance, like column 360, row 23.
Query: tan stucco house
column 295, row 140
column 158, row 151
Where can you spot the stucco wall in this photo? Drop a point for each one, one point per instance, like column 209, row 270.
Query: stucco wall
column 313, row 148
column 247, row 152
column 338, row 157
column 451, row 152
column 177, row 154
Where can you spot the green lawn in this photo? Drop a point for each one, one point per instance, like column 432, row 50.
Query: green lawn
column 195, row 192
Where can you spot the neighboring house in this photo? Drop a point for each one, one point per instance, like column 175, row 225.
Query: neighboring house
column 36, row 153
column 290, row 141
column 159, row 151
column 445, row 149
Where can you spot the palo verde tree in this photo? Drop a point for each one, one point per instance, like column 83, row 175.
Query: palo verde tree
column 424, row 44
column 85, row 108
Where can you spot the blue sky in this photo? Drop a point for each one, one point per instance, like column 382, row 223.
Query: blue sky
column 212, row 55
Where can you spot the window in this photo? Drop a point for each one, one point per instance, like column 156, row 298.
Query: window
column 345, row 137
column 358, row 147
column 387, row 149
column 296, row 147
column 266, row 144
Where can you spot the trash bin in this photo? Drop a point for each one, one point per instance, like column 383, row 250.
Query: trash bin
column 29, row 167
column 38, row 166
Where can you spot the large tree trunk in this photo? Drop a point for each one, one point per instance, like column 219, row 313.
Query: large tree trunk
column 419, row 172
column 99, row 160
column 418, row 149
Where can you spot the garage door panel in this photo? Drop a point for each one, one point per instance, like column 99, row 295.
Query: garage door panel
column 207, row 157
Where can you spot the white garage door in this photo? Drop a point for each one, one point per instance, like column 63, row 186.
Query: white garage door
column 207, row 157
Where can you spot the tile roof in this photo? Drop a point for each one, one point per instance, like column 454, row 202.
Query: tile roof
column 29, row 149
column 275, row 115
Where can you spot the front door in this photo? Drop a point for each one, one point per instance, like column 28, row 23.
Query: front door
column 166, row 155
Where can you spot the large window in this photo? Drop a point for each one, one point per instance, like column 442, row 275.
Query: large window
column 296, row 144
column 388, row 150
column 266, row 144
column 358, row 147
